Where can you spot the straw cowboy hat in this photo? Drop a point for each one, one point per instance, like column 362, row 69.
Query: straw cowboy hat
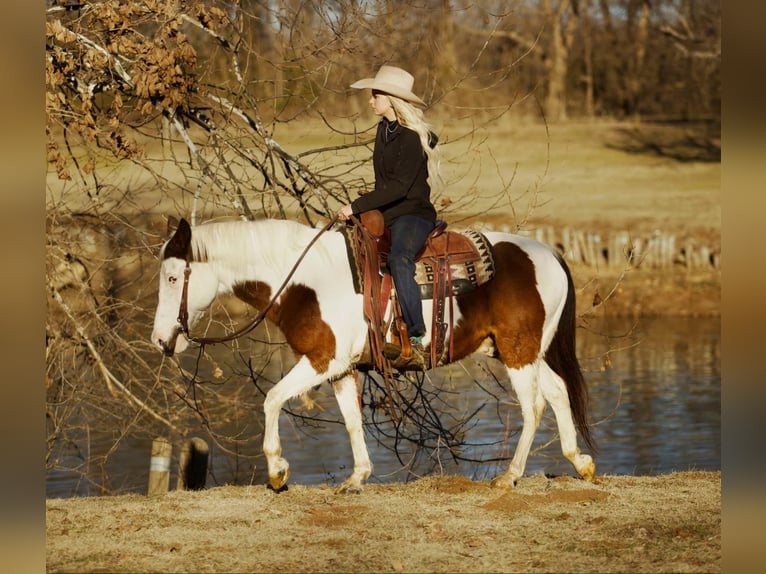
column 393, row 81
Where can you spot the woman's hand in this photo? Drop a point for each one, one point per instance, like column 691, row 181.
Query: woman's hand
column 345, row 212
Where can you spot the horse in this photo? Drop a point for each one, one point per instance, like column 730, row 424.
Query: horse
column 526, row 313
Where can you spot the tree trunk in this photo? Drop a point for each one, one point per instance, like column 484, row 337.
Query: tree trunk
column 446, row 58
column 588, row 60
column 560, row 34
column 642, row 35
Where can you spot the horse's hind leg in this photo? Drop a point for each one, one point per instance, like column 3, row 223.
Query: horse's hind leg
column 348, row 402
column 532, row 403
column 555, row 392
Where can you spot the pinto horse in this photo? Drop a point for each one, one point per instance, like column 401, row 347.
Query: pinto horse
column 527, row 312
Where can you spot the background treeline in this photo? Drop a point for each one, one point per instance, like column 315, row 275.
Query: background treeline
column 617, row 58
column 219, row 76
column 574, row 58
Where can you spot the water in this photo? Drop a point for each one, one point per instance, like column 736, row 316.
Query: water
column 655, row 401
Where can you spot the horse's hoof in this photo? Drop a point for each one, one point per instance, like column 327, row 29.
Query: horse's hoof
column 278, row 481
column 503, row 482
column 283, row 488
column 349, row 488
column 588, row 472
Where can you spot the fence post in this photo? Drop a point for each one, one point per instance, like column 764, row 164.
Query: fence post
column 192, row 465
column 159, row 467
column 620, row 248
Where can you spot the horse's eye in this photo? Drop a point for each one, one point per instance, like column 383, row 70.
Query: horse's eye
column 172, row 279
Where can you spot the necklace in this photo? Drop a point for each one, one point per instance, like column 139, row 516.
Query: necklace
column 391, row 128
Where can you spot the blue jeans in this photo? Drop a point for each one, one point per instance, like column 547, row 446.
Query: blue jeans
column 408, row 235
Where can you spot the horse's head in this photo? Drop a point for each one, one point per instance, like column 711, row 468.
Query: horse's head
column 201, row 290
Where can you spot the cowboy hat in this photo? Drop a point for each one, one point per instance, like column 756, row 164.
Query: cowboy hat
column 393, row 81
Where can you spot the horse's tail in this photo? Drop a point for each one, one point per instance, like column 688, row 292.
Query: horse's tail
column 561, row 355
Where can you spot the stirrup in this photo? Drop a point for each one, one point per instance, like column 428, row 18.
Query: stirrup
column 418, row 358
column 391, row 351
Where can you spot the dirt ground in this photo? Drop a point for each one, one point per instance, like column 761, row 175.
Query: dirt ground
column 669, row 523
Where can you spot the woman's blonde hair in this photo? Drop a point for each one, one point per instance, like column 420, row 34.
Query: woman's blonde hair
column 411, row 117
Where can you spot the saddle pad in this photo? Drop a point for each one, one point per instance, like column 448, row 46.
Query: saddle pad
column 466, row 275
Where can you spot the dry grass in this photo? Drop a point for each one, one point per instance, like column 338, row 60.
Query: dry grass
column 596, row 176
column 604, row 174
column 669, row 523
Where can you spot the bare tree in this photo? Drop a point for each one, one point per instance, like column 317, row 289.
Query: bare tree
column 562, row 21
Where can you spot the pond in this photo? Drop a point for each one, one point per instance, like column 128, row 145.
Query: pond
column 655, row 399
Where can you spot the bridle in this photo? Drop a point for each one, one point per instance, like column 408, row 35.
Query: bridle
column 183, row 311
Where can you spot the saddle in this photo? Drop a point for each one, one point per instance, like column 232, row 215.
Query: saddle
column 449, row 264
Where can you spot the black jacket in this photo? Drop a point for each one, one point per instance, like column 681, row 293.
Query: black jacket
column 401, row 175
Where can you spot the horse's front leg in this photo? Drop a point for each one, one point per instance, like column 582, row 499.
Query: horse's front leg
column 347, row 395
column 300, row 379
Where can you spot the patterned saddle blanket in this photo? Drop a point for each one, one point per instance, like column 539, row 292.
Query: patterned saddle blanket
column 468, row 254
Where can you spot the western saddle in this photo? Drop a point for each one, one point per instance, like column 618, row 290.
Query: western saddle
column 442, row 251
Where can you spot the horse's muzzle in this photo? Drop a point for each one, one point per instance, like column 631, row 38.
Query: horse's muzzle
column 168, row 345
column 168, row 350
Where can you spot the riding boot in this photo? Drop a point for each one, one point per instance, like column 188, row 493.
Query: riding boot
column 399, row 345
column 415, row 357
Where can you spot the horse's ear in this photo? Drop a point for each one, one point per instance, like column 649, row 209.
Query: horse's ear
column 180, row 244
column 172, row 225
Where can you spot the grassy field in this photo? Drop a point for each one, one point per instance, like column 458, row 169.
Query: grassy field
column 668, row 523
column 518, row 172
column 605, row 174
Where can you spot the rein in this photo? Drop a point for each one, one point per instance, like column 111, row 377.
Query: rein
column 183, row 311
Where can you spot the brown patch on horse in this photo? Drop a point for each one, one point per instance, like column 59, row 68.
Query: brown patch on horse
column 508, row 308
column 298, row 317
column 254, row 293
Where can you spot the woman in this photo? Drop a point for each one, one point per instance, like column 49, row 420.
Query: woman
column 404, row 156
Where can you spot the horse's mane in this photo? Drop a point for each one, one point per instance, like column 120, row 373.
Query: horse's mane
column 238, row 240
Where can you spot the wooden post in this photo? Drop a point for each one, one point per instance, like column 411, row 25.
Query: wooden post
column 192, row 465
column 598, row 250
column 619, row 247
column 566, row 240
column 551, row 236
column 583, row 241
column 159, row 467
column 692, row 257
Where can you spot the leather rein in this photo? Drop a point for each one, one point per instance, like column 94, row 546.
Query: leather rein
column 183, row 311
